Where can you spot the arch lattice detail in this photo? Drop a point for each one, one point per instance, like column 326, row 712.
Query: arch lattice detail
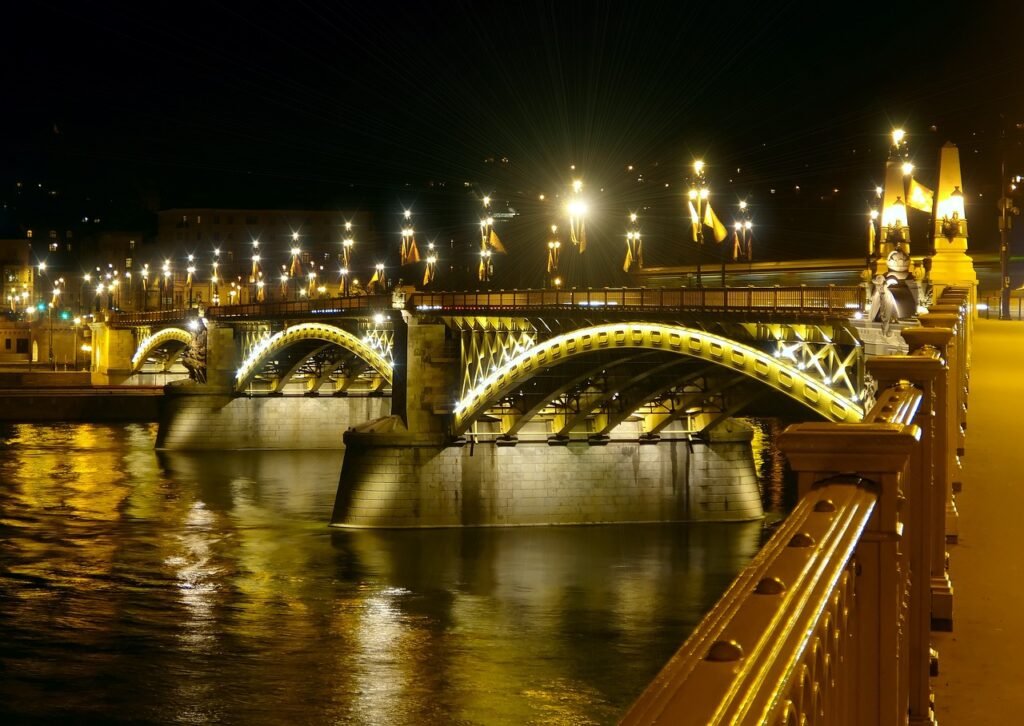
column 271, row 345
column 158, row 340
column 716, row 349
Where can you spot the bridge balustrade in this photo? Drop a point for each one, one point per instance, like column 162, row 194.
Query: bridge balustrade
column 832, row 300
column 830, row 622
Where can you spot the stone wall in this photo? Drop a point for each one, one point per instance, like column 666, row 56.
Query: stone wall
column 407, row 485
column 192, row 419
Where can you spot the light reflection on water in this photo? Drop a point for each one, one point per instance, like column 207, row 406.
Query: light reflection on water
column 207, row 588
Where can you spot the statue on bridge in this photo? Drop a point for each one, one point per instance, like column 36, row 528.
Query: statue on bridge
column 895, row 295
column 194, row 355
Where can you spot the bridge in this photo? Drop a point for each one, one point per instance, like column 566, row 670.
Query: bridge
column 448, row 395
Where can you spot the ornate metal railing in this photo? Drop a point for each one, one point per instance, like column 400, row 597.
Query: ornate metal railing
column 832, row 300
column 830, row 622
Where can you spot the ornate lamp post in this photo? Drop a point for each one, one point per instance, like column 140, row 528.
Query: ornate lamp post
column 431, row 268
column 191, row 270
column 698, row 196
column 295, row 268
column 742, row 248
column 634, row 246
column 554, row 250
column 408, row 254
column 346, row 247
column 215, row 278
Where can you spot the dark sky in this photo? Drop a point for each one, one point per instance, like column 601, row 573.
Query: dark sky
column 313, row 104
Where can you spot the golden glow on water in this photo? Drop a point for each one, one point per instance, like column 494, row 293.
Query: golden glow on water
column 207, row 587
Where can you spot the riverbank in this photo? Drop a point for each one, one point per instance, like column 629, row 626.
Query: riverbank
column 28, row 396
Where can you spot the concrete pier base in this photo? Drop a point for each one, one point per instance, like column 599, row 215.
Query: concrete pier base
column 391, row 478
column 205, row 417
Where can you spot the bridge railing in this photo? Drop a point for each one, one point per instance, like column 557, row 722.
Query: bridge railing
column 830, row 622
column 831, row 300
column 311, row 307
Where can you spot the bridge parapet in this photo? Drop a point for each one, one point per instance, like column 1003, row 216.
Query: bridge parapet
column 830, row 622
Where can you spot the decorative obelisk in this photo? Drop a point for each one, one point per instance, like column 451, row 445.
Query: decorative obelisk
column 951, row 266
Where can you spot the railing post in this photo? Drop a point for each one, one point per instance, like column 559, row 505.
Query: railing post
column 939, row 339
column 880, row 453
column 954, row 408
column 924, row 498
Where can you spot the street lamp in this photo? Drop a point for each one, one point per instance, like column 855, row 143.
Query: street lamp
column 408, row 253
column 215, row 278
column 344, row 282
column 634, row 245
column 86, row 279
column 53, row 362
column 486, row 269
column 145, row 286
column 554, row 251
column 742, row 248
column 347, row 243
column 295, row 269
column 698, row 195
column 191, row 270
column 428, row 273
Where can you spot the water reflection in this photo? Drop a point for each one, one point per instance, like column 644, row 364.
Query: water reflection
column 199, row 588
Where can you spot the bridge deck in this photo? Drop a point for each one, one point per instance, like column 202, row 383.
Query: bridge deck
column 980, row 665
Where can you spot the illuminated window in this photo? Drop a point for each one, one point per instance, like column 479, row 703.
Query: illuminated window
column 30, row 234
column 53, row 234
column 54, row 246
column 131, row 244
column 199, row 219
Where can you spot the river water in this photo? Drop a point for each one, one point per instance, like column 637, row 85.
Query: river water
column 185, row 588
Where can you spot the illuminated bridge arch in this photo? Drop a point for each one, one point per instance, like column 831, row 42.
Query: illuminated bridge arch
column 309, row 334
column 172, row 340
column 715, row 349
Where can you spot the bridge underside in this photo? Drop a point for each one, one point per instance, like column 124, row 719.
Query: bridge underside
column 642, row 394
column 641, row 379
column 313, row 366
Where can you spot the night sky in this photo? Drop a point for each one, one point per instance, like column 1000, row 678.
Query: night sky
column 388, row 105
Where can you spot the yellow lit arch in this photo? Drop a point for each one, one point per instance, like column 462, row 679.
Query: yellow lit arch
column 269, row 347
column 652, row 336
column 158, row 340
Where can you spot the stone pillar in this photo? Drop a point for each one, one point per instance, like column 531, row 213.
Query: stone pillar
column 112, row 351
column 951, row 266
column 425, row 375
column 878, row 452
column 941, row 586
column 222, row 355
column 954, row 412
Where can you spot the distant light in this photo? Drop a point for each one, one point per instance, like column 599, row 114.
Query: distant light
column 296, row 251
column 703, row 193
column 743, row 205
column 897, row 136
column 632, row 217
column 698, row 166
column 737, row 226
column 541, row 197
column 878, row 191
column 907, row 168
column 748, row 224
column 295, row 236
column 407, row 214
column 487, row 201
column 378, row 318
column 577, row 185
column 874, row 214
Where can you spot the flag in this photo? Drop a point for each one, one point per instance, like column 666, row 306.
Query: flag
column 484, row 272
column 296, row 269
column 920, row 197
column 552, row 260
column 428, row 275
column 410, row 253
column 871, row 237
column 694, row 222
column 496, row 243
column 629, row 260
column 737, row 246
column 374, row 279
column 711, row 220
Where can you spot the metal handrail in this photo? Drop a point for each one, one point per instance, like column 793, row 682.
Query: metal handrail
column 781, row 644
